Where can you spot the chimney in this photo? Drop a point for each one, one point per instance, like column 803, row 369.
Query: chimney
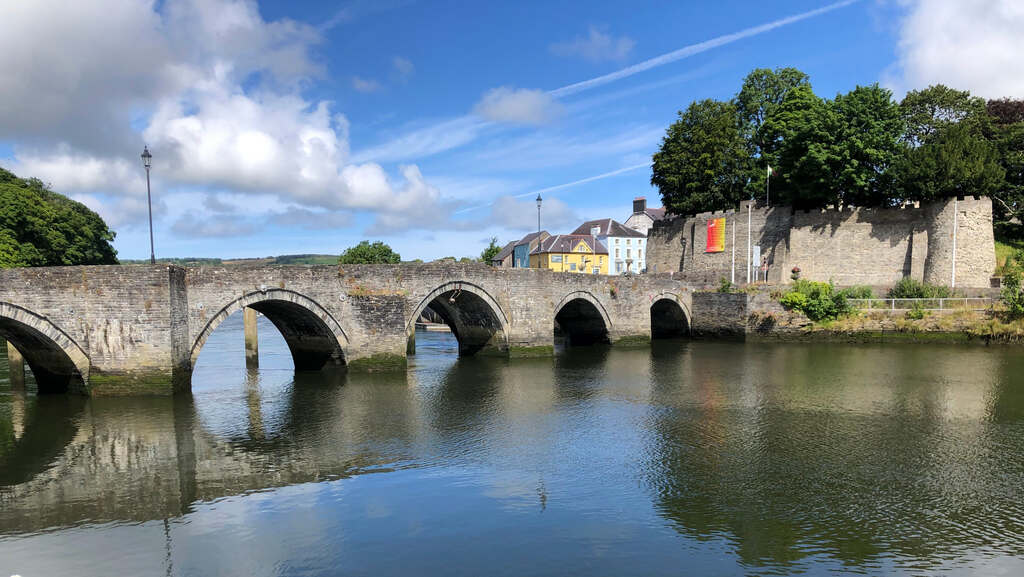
column 639, row 204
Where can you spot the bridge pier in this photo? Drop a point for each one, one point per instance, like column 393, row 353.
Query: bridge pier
column 252, row 341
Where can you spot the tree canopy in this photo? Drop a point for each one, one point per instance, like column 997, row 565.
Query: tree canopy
column 39, row 227
column 491, row 251
column 367, row 253
column 859, row 148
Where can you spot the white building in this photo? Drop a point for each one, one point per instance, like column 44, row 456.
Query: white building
column 643, row 218
column 627, row 248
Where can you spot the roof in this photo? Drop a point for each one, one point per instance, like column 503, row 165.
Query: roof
column 566, row 242
column 530, row 238
column 608, row 227
column 655, row 213
column 505, row 252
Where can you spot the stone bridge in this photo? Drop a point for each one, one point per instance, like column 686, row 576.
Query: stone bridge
column 140, row 329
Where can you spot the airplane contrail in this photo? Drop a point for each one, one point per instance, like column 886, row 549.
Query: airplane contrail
column 692, row 49
column 564, row 185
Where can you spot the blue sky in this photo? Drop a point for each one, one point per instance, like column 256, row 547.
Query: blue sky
column 305, row 126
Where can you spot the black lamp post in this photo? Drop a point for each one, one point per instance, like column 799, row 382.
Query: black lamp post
column 539, row 200
column 147, row 161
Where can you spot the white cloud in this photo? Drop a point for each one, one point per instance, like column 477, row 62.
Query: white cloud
column 597, row 46
column 971, row 45
column 214, row 89
column 192, row 224
column 517, row 106
column 423, row 141
column 365, row 85
column 403, row 67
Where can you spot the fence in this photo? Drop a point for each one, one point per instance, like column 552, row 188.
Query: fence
column 936, row 304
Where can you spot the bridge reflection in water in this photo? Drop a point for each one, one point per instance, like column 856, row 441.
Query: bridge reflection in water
column 723, row 457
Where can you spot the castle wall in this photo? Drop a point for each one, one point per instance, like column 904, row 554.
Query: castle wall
column 866, row 246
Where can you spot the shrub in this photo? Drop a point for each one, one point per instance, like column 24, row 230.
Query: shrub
column 725, row 286
column 916, row 312
column 908, row 288
column 818, row 300
column 858, row 292
column 1012, row 295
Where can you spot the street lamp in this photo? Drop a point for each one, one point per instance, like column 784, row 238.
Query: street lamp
column 147, row 161
column 539, row 200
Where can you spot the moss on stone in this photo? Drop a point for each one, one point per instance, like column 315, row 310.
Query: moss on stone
column 147, row 383
column 379, row 362
column 633, row 341
column 528, row 352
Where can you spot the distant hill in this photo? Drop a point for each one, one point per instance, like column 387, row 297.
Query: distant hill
column 307, row 259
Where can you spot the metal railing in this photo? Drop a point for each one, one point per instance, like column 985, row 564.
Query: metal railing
column 935, row 304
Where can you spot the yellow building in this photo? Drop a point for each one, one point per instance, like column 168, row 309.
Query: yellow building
column 581, row 253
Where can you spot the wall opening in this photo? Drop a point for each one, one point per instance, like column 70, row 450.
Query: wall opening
column 668, row 320
column 48, row 365
column 580, row 323
column 471, row 319
column 311, row 342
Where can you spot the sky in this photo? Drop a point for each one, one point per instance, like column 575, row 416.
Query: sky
column 305, row 126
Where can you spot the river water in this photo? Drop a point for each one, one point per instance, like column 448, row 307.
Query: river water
column 686, row 458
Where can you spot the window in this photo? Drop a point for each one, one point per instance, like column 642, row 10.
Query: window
column 595, row 230
column 627, row 240
column 616, row 253
column 556, row 258
column 639, row 254
column 572, row 266
column 617, row 240
column 628, row 251
column 596, row 270
column 618, row 267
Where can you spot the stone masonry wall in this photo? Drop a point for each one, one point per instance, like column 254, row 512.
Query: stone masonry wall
column 850, row 246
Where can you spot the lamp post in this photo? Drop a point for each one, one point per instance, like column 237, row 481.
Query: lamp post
column 539, row 200
column 147, row 161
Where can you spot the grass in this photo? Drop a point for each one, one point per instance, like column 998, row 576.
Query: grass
column 1005, row 250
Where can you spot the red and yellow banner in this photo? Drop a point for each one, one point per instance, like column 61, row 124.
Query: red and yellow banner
column 716, row 235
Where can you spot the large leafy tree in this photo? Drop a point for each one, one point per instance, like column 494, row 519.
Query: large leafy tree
column 760, row 96
column 1008, row 136
column 369, row 253
column 39, row 227
column 953, row 162
column 929, row 111
column 835, row 151
column 704, row 161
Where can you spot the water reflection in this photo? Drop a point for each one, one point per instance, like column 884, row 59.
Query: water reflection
column 721, row 457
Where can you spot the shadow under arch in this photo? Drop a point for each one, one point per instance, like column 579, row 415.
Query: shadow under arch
column 313, row 335
column 57, row 362
column 670, row 317
column 583, row 319
column 474, row 316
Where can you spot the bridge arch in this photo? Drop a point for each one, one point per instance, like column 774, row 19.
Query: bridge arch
column 670, row 317
column 474, row 316
column 58, row 363
column 314, row 336
column 583, row 319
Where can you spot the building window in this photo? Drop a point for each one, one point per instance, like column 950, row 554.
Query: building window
column 596, row 270
column 628, row 251
column 627, row 240
column 640, row 254
column 572, row 266
column 617, row 240
column 618, row 267
column 616, row 251
column 556, row 258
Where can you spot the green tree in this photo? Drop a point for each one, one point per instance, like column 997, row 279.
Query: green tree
column 760, row 96
column 954, row 162
column 835, row 151
column 39, row 227
column 928, row 112
column 704, row 161
column 491, row 251
column 367, row 253
column 1008, row 137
